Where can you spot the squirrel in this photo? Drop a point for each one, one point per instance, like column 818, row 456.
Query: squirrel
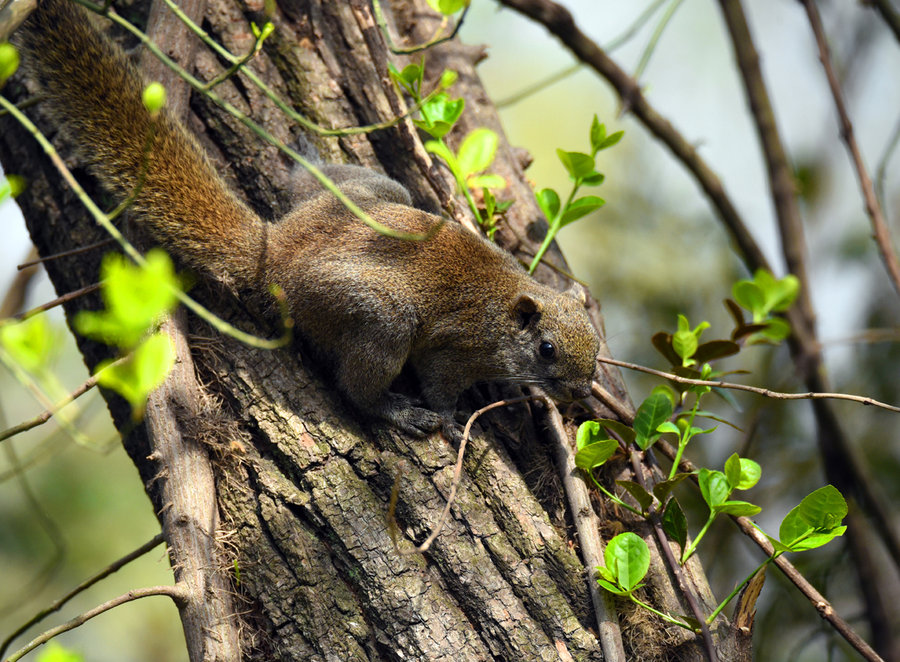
column 455, row 308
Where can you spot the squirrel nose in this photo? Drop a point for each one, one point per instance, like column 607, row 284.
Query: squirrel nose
column 581, row 392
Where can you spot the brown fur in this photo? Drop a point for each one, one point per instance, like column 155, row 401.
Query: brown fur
column 456, row 308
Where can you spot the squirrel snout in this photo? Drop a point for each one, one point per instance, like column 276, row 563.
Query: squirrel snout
column 581, row 392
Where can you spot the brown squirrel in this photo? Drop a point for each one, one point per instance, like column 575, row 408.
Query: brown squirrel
column 455, row 308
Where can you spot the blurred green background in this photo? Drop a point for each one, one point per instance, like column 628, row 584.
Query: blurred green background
column 654, row 250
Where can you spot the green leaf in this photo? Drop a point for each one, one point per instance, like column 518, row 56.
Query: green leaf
column 598, row 135
column 410, row 78
column 581, row 207
column 154, row 97
column 595, row 454
column 53, row 651
column 31, row 343
column 486, row 181
column 448, row 7
column 776, row 329
column 612, row 139
column 714, row 487
column 548, row 201
column 815, row 521
column 663, row 488
column 749, row 296
column 654, row 411
column 625, row 433
column 750, row 474
column 593, row 179
column 628, row 558
column 668, row 392
column 737, row 508
column 136, row 298
column 589, row 432
column 438, row 148
column 642, row 496
column 145, row 369
column 784, row 293
column 685, row 344
column 448, row 77
column 612, row 588
column 733, row 470
column 577, row 164
column 477, row 151
column 675, row 523
column 9, row 61
column 439, row 114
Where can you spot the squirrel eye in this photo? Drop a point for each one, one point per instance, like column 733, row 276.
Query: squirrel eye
column 547, row 350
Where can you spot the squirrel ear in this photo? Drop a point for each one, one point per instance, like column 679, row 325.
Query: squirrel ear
column 527, row 310
column 576, row 291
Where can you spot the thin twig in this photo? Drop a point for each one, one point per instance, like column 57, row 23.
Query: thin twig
column 175, row 592
column 778, row 169
column 457, row 472
column 434, row 41
column 83, row 586
column 45, row 416
column 14, row 298
column 58, row 301
column 609, row 47
column 587, row 525
column 873, row 208
column 74, row 251
column 775, row 395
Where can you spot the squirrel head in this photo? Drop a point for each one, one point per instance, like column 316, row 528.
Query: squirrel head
column 557, row 344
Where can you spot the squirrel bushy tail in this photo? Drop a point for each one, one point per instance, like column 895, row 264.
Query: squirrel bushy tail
column 94, row 92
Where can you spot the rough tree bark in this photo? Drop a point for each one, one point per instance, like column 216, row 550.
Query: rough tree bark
column 301, row 486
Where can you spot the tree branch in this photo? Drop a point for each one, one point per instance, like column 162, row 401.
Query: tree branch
column 873, row 207
column 176, row 592
column 587, row 525
column 560, row 23
column 83, row 586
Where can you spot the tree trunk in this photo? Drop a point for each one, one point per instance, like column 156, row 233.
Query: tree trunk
column 303, row 564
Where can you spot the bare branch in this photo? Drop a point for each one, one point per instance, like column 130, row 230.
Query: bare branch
column 176, row 592
column 58, row 301
column 44, row 416
column 775, row 395
column 83, row 586
column 873, row 208
column 559, row 21
column 587, row 525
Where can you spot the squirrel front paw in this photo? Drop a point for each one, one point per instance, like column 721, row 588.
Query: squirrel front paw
column 409, row 418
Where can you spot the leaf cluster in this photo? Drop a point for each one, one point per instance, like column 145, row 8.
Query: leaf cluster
column 438, row 113
column 135, row 299
column 582, row 170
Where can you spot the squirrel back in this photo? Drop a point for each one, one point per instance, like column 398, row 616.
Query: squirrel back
column 455, row 308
